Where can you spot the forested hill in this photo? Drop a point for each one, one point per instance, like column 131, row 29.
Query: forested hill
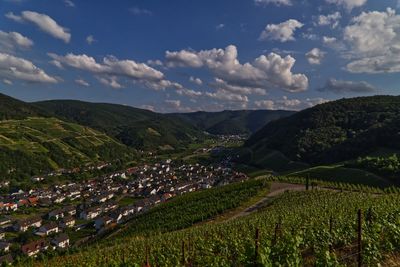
column 11, row 108
column 334, row 131
column 138, row 128
column 232, row 121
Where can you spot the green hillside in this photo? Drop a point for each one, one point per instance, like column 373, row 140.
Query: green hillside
column 138, row 128
column 38, row 145
column 11, row 108
column 310, row 228
column 333, row 132
column 232, row 121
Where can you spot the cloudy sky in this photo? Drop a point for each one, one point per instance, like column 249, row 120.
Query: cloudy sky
column 182, row 56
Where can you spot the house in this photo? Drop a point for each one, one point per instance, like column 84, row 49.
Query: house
column 33, row 200
column 33, row 248
column 23, row 225
column 102, row 222
column 5, row 247
column 56, row 214
column 61, row 241
column 90, row 214
column 48, row 229
column 10, row 206
column 67, row 222
column 4, row 221
column 70, row 210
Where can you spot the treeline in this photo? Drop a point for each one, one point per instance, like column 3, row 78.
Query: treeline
column 334, row 131
column 386, row 166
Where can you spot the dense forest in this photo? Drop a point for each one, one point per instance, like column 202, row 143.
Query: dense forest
column 335, row 131
column 232, row 121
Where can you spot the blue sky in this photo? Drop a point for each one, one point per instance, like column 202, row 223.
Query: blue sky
column 182, row 56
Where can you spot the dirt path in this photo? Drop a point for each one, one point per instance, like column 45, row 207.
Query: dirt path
column 277, row 188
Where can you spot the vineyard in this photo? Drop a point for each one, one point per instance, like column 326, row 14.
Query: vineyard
column 311, row 228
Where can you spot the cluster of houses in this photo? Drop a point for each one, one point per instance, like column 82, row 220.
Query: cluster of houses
column 94, row 203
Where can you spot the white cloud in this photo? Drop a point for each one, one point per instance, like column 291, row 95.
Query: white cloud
column 90, row 40
column 111, row 82
column 374, row 39
column 8, row 82
column 148, row 107
column 333, row 43
column 194, row 80
column 348, row 4
column 220, row 26
column 282, row 32
column 69, row 3
column 111, row 68
column 331, row 20
column 265, row 72
column 43, row 22
column 223, row 85
column 9, row 41
column 140, row 11
column 276, row 2
column 82, row 82
column 175, row 106
column 225, row 95
column 156, row 62
column 16, row 68
column 341, row 86
column 310, row 36
column 315, row 56
column 289, row 104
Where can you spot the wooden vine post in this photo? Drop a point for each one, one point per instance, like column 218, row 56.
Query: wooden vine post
column 359, row 238
column 257, row 244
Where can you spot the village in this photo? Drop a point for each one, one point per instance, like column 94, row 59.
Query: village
column 68, row 215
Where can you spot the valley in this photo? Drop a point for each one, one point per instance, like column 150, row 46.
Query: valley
column 75, row 190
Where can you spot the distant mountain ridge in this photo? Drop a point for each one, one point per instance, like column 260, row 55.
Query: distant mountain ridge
column 333, row 131
column 138, row 128
column 232, row 121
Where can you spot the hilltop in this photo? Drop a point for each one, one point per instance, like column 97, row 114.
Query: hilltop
column 332, row 132
column 138, row 128
column 11, row 108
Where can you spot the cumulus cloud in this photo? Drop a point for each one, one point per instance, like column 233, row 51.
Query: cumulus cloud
column 16, row 68
column 314, row 56
column 111, row 68
column 90, row 39
column 282, row 32
column 331, row 20
column 82, row 82
column 374, row 39
column 348, row 4
column 341, row 86
column 44, row 23
column 9, row 41
column 110, row 82
column 194, row 80
column 225, row 95
column 288, row 104
column 276, row 2
column 265, row 72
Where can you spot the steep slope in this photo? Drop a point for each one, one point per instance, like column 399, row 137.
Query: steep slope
column 232, row 121
column 334, row 131
column 11, row 108
column 38, row 145
column 141, row 129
